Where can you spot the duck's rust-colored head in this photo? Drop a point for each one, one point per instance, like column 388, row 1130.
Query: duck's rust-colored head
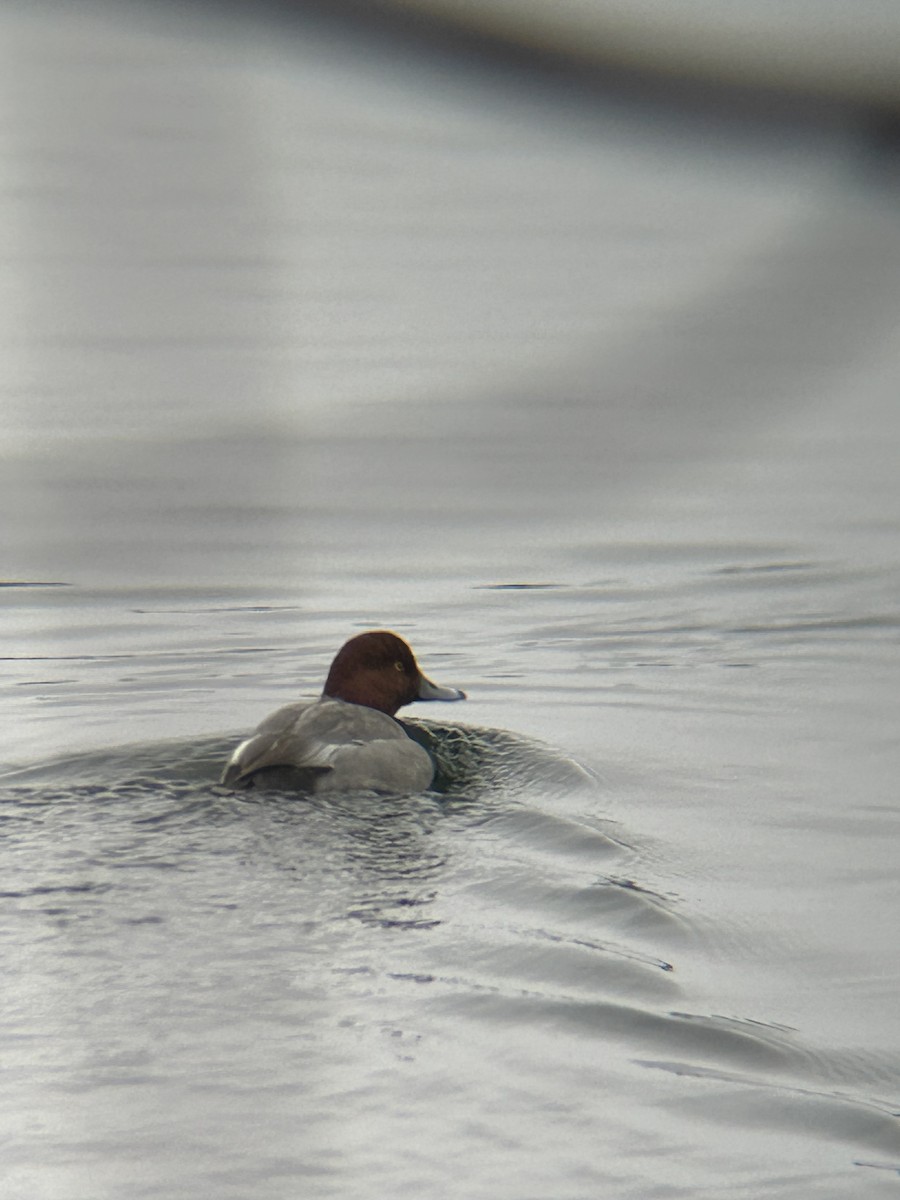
column 379, row 670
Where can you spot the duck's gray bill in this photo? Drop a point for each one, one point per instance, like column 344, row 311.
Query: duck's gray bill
column 431, row 691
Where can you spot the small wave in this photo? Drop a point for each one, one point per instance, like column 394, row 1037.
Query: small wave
column 468, row 761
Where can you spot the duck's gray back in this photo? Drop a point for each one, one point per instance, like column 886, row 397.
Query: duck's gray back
column 330, row 745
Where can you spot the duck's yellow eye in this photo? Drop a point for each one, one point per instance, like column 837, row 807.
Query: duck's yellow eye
column 398, row 666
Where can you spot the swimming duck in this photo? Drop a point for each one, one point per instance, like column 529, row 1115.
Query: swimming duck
column 347, row 739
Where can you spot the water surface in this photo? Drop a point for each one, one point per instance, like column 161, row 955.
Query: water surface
column 601, row 415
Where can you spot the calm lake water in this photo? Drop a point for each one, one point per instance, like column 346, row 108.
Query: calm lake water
column 593, row 400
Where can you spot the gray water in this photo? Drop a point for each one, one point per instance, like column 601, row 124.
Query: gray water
column 594, row 403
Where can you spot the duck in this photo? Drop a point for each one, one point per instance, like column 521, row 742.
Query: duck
column 348, row 738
